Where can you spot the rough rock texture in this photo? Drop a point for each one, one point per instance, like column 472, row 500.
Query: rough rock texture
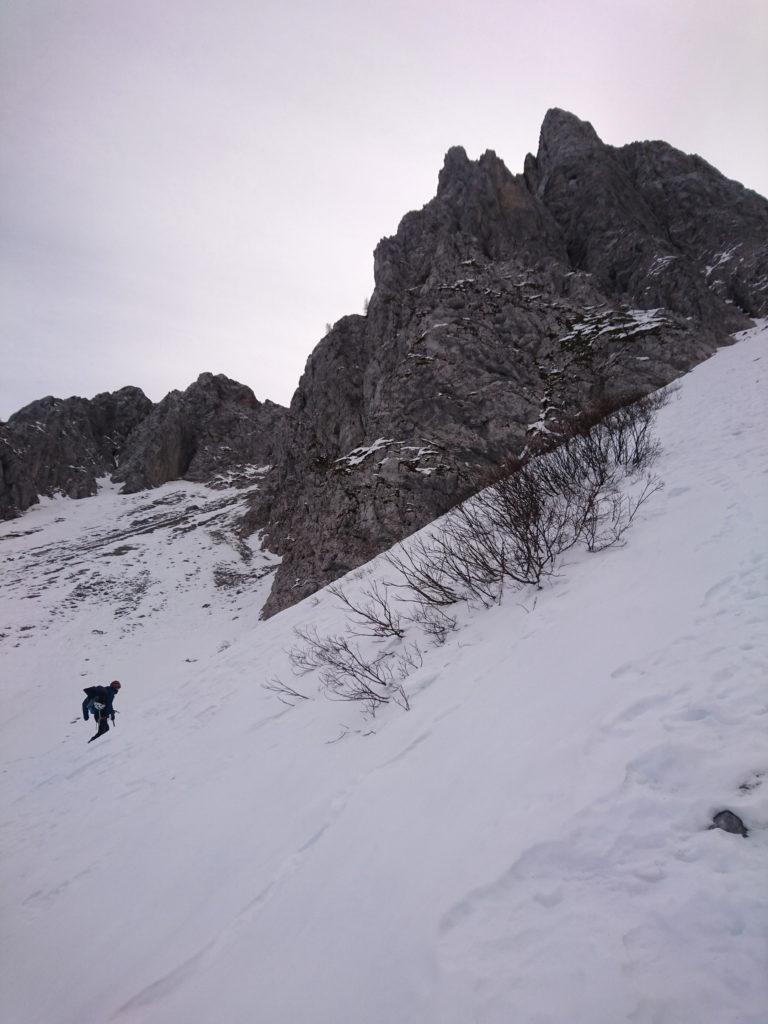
column 215, row 427
column 700, row 209
column 214, row 430
column 504, row 301
column 730, row 822
column 64, row 445
column 654, row 224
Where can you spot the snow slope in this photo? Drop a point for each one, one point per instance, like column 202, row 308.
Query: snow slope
column 528, row 843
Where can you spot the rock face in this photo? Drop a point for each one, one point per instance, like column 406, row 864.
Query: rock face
column 64, row 445
column 215, row 427
column 506, row 302
column 653, row 224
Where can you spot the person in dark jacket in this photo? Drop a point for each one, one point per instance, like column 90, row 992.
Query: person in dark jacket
column 99, row 702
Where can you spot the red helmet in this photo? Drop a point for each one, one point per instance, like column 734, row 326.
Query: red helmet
column 115, row 684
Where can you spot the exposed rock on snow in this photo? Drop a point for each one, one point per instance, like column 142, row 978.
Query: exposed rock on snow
column 729, row 822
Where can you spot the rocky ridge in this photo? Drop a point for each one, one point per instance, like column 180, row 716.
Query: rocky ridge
column 215, row 431
column 506, row 302
column 65, row 445
column 215, row 428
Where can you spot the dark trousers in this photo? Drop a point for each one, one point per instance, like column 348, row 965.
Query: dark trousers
column 100, row 716
column 103, row 722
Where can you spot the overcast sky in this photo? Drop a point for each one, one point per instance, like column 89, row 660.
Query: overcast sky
column 192, row 185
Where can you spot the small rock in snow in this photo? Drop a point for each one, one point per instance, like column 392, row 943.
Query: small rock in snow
column 729, row 822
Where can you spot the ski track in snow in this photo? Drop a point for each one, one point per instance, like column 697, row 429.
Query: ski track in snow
column 530, row 842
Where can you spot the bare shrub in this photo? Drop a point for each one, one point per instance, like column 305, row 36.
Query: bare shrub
column 418, row 564
column 597, row 464
column 373, row 615
column 614, row 513
column 624, row 424
column 345, row 671
column 510, row 533
column 408, row 660
column 436, row 623
column 514, row 530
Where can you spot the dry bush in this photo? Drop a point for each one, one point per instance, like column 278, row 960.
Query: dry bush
column 410, row 659
column 626, row 425
column 614, row 513
column 345, row 671
column 435, row 623
column 418, row 565
column 373, row 615
column 514, row 530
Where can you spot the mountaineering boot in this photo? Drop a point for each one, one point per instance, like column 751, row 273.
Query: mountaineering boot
column 103, row 727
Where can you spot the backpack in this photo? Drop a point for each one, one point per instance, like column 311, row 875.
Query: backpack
column 97, row 703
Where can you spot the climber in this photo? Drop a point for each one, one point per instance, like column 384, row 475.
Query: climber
column 99, row 703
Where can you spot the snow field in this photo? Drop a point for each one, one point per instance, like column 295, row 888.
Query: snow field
column 530, row 842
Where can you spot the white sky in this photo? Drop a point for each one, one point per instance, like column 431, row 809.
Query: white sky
column 191, row 185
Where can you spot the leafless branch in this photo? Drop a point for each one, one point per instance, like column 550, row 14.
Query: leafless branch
column 285, row 694
column 373, row 614
column 345, row 672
